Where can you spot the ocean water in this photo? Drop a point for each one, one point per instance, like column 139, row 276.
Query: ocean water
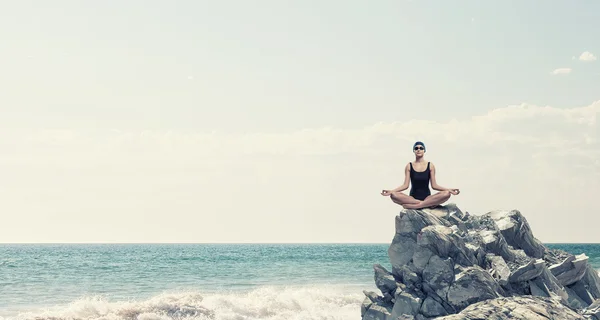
column 194, row 281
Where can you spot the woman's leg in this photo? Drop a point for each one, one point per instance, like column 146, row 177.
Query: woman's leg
column 430, row 201
column 402, row 199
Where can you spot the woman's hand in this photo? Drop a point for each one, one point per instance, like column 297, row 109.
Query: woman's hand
column 454, row 191
column 386, row 193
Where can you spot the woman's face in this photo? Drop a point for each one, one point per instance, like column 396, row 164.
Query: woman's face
column 419, row 150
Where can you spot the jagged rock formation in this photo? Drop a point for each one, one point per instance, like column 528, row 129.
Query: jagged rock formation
column 446, row 264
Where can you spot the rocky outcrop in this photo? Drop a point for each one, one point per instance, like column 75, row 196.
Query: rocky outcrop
column 525, row 308
column 446, row 264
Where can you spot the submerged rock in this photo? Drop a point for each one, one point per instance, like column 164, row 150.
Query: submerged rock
column 446, row 264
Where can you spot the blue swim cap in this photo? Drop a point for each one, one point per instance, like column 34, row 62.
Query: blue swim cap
column 420, row 143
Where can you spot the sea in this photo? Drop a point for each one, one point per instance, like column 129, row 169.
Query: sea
column 195, row 281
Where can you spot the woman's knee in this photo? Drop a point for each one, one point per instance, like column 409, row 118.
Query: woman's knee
column 396, row 195
column 446, row 193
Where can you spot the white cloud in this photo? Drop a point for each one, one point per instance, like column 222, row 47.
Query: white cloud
column 587, row 56
column 562, row 71
column 218, row 187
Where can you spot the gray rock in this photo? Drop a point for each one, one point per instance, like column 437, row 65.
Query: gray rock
column 365, row 305
column 410, row 222
column 539, row 290
column 498, row 268
column 437, row 239
column 401, row 252
column 378, row 312
column 574, row 301
column 495, row 243
column 443, row 242
column 472, row 285
column 406, row 304
column 454, row 211
column 548, row 280
column 592, row 281
column 571, row 270
column 421, row 257
column 593, row 310
column 373, row 297
column 580, row 289
column 522, row 308
column 432, row 308
column 563, row 266
column 409, row 276
column 516, row 231
column 479, row 253
column 384, row 280
column 439, row 273
column 527, row 272
column 446, row 212
column 450, row 265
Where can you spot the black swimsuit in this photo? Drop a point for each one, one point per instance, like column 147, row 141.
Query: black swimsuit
column 420, row 183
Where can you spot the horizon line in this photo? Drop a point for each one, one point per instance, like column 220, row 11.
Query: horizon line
column 237, row 243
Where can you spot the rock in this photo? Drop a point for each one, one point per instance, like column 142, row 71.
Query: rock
column 409, row 276
column 447, row 212
column 365, row 305
column 401, row 252
column 522, row 308
column 593, row 310
column 516, row 231
column 495, row 243
column 443, row 242
column 539, row 290
column 472, row 285
column 446, row 264
column 592, row 281
column 574, row 301
column 498, row 268
column 527, row 272
column 384, row 280
column 547, row 280
column 406, row 304
column 372, row 296
column 421, row 258
column 571, row 270
column 432, row 308
column 378, row 312
column 410, row 222
column 582, row 292
column 439, row 273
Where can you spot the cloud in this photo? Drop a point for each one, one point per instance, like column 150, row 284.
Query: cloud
column 562, row 71
column 520, row 124
column 587, row 56
column 228, row 187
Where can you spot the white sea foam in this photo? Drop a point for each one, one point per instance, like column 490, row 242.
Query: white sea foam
column 273, row 303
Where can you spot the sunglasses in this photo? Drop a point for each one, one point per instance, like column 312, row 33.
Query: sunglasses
column 419, row 148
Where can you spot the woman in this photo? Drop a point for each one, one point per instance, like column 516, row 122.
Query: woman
column 419, row 173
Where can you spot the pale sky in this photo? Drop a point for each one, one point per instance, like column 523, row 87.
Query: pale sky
column 281, row 121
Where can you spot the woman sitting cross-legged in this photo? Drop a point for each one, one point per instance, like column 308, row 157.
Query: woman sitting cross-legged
column 419, row 173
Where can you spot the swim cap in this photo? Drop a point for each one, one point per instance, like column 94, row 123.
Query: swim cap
column 420, row 143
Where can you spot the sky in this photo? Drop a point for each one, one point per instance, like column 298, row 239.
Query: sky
column 282, row 121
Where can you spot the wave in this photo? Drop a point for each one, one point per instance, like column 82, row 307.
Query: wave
column 331, row 302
